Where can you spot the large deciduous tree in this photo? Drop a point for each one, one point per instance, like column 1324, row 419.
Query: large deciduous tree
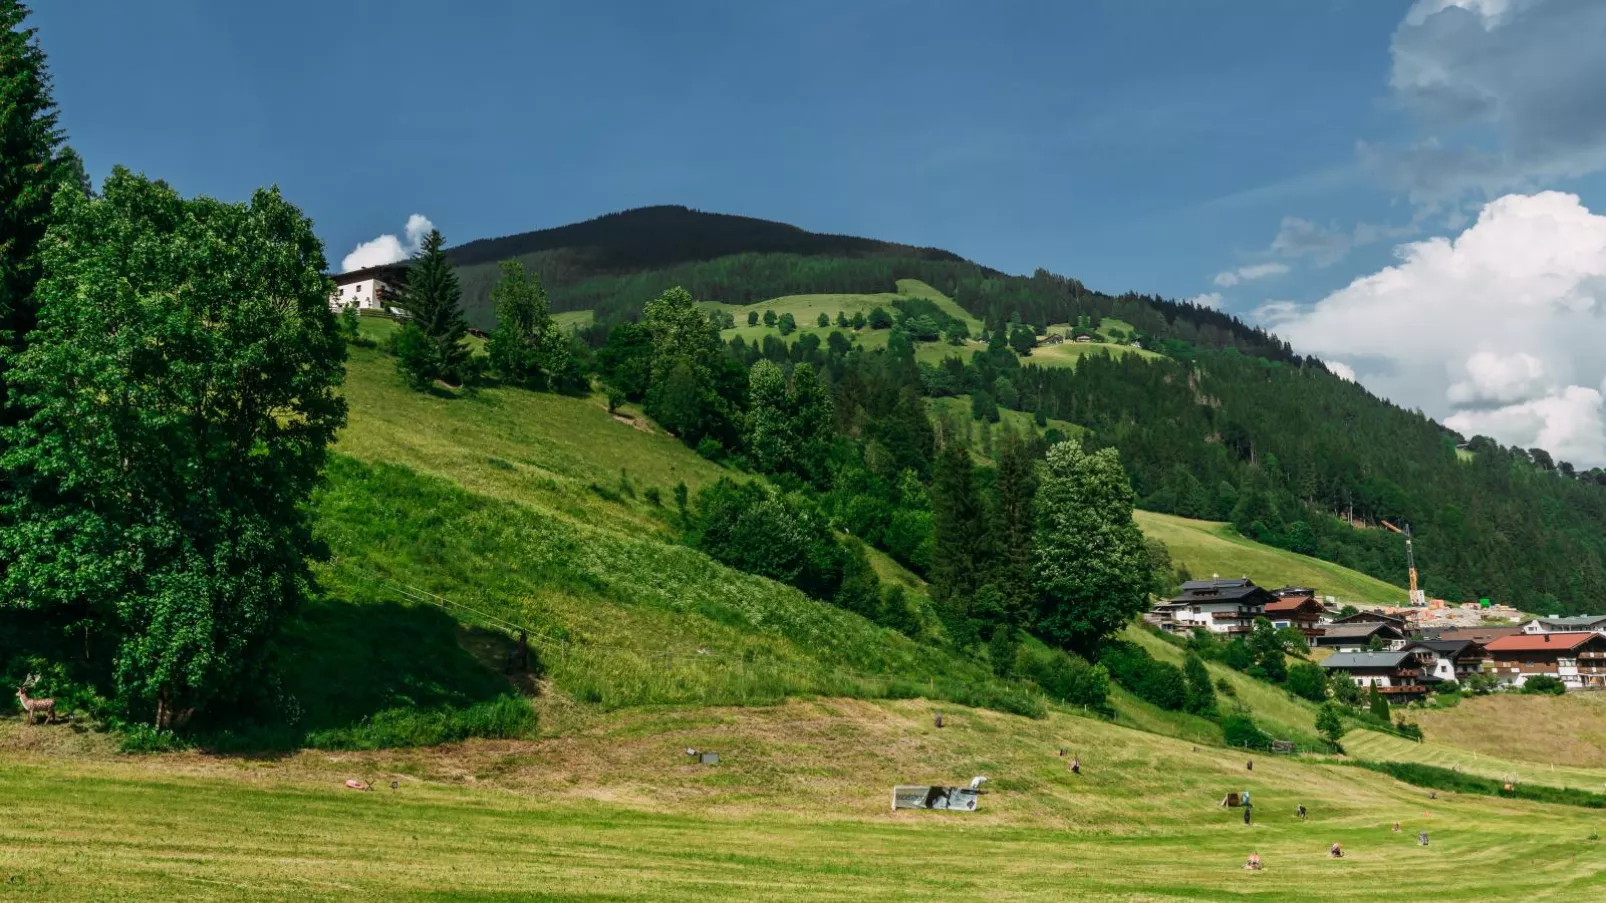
column 179, row 392
column 433, row 303
column 1091, row 571
column 683, row 392
column 527, row 348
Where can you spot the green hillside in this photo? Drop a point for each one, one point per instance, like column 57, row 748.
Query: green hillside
column 1207, row 547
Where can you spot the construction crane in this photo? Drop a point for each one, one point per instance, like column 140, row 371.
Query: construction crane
column 1417, row 596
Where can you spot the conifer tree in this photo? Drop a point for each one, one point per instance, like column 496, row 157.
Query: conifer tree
column 958, row 559
column 433, row 302
column 1012, row 525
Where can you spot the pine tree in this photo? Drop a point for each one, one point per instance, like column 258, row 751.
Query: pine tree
column 433, row 302
column 1012, row 525
column 813, row 424
column 32, row 164
column 959, row 525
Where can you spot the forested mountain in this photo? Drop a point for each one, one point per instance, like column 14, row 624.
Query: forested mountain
column 1227, row 424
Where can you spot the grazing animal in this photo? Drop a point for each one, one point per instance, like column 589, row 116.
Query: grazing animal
column 33, row 708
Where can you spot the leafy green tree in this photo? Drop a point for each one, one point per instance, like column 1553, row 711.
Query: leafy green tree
column 752, row 318
column 1005, row 394
column 756, row 529
column 1328, row 722
column 787, row 324
column 526, row 347
column 858, row 322
column 842, row 320
column 350, row 325
column 433, row 303
column 1200, row 697
column 823, row 320
column 417, row 358
column 1267, row 645
column 180, row 390
column 860, row 590
column 1162, row 575
column 769, row 318
column 1021, row 339
column 1544, row 684
column 627, row 358
column 770, row 441
column 879, row 318
column 1306, row 680
column 1091, row 571
column 683, row 394
column 813, row 424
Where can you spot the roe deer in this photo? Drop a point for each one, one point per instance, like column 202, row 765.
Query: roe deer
column 32, row 708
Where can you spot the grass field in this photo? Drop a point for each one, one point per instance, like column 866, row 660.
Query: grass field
column 796, row 810
column 1434, row 751
column 1561, row 730
column 1208, row 547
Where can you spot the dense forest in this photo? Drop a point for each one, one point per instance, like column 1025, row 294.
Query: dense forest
column 1231, row 424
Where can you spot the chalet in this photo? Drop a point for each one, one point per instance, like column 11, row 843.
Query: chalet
column 371, row 288
column 1449, row 659
column 1398, row 675
column 1580, row 624
column 1083, row 338
column 1296, row 606
column 1357, row 637
column 1483, row 635
column 1219, row 606
column 1053, row 338
column 1577, row 659
column 1374, row 617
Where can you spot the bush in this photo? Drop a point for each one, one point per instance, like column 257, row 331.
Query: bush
column 1328, row 722
column 1308, row 681
column 1482, row 684
column 1158, row 683
column 1240, row 730
column 1201, row 698
column 1408, row 731
column 1064, row 677
column 754, row 528
column 1544, row 684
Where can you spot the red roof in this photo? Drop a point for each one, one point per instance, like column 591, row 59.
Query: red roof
column 1287, row 605
column 1540, row 642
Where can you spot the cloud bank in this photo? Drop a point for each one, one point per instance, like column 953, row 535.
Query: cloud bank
column 1500, row 330
column 388, row 248
column 1250, row 273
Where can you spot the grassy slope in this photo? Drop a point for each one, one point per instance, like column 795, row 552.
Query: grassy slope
column 1565, row 730
column 1207, row 547
column 535, row 509
column 796, row 810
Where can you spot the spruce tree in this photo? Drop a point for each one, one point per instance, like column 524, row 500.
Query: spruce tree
column 959, row 525
column 1012, row 525
column 32, row 162
column 433, row 302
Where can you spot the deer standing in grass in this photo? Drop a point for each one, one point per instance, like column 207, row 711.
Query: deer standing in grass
column 33, row 708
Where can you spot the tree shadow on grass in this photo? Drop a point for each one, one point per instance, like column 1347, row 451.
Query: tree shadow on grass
column 347, row 666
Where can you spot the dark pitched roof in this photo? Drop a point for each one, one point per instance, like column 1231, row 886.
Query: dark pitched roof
column 1482, row 635
column 1242, row 589
column 1449, row 648
column 1363, row 617
column 1356, row 631
column 1365, row 659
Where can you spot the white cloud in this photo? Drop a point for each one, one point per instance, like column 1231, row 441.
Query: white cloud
column 1273, row 312
column 1211, row 300
column 1506, row 94
column 388, row 248
column 1501, row 330
column 1250, row 273
column 1302, row 238
column 1341, row 370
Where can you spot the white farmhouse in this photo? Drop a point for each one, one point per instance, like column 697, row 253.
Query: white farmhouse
column 371, row 288
column 1219, row 606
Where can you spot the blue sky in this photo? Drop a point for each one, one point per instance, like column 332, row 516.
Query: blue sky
column 1261, row 154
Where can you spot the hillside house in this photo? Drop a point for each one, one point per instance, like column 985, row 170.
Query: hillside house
column 1398, row 675
column 1374, row 617
column 1053, row 338
column 1219, row 606
column 1449, row 659
column 1579, row 624
column 374, row 288
column 1083, row 338
column 1357, row 637
column 1577, row 659
column 1482, row 635
column 1297, row 606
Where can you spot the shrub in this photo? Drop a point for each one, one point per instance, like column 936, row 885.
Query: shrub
column 1328, row 722
column 1544, row 684
column 1306, row 680
column 754, row 528
column 1158, row 683
column 1408, row 730
column 1200, row 698
column 1240, row 730
column 1064, row 677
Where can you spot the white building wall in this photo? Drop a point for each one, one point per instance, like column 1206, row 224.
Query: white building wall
column 363, row 294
